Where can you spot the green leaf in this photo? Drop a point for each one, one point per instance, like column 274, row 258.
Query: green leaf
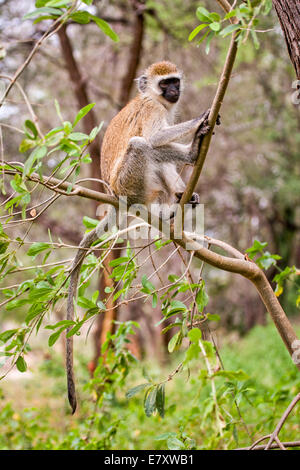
column 230, row 14
column 75, row 329
column 118, row 261
column 172, row 325
column 150, row 401
column 37, row 248
column 101, row 305
column 133, row 391
column 203, row 37
column 85, row 303
column 229, row 29
column 29, row 126
column 257, row 247
column 83, row 112
column 3, row 247
column 44, row 10
column 203, row 15
column 215, row 17
column 26, row 144
column 60, row 324
column 148, row 287
column 154, row 300
column 95, row 131
column 13, row 304
column 58, row 3
column 215, row 26
column 105, row 28
column 21, row 364
column 35, row 310
column 76, row 136
column 6, row 335
column 37, row 154
column 81, row 17
column 88, row 222
column 195, row 335
column 192, row 352
column 201, row 297
column 208, row 41
column 175, row 342
column 54, row 337
column 160, row 400
column 196, row 31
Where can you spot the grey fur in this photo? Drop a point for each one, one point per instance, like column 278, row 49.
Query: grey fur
column 85, row 243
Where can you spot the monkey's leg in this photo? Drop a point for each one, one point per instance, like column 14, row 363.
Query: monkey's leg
column 132, row 175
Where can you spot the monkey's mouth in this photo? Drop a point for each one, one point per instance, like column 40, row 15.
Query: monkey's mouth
column 172, row 97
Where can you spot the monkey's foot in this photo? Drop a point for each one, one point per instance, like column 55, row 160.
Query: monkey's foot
column 195, row 199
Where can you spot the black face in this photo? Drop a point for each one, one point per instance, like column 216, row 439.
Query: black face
column 170, row 88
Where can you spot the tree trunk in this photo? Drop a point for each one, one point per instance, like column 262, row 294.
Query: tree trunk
column 288, row 12
column 81, row 94
column 134, row 53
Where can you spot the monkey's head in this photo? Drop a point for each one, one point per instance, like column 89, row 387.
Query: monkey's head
column 161, row 81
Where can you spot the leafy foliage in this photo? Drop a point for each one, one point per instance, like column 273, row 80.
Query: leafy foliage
column 52, row 10
column 245, row 20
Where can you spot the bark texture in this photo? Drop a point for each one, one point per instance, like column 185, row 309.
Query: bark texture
column 288, row 12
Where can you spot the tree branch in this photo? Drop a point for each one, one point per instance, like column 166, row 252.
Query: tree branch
column 244, row 267
column 214, row 111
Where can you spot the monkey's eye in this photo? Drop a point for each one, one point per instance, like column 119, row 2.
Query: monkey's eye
column 163, row 84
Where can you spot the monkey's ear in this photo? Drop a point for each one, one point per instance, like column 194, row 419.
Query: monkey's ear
column 142, row 83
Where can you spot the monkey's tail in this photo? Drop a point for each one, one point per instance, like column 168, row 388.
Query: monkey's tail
column 85, row 243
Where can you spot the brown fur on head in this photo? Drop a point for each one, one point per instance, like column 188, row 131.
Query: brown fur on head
column 148, row 83
column 161, row 68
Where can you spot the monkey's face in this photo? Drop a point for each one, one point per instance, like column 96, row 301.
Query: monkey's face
column 170, row 89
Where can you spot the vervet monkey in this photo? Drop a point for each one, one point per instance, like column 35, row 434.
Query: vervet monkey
column 140, row 157
column 142, row 149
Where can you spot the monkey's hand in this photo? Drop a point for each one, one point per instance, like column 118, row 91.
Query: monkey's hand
column 204, row 127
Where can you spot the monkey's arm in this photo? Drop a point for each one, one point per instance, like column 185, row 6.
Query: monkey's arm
column 174, row 133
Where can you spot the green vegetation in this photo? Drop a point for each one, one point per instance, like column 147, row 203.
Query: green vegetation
column 38, row 417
